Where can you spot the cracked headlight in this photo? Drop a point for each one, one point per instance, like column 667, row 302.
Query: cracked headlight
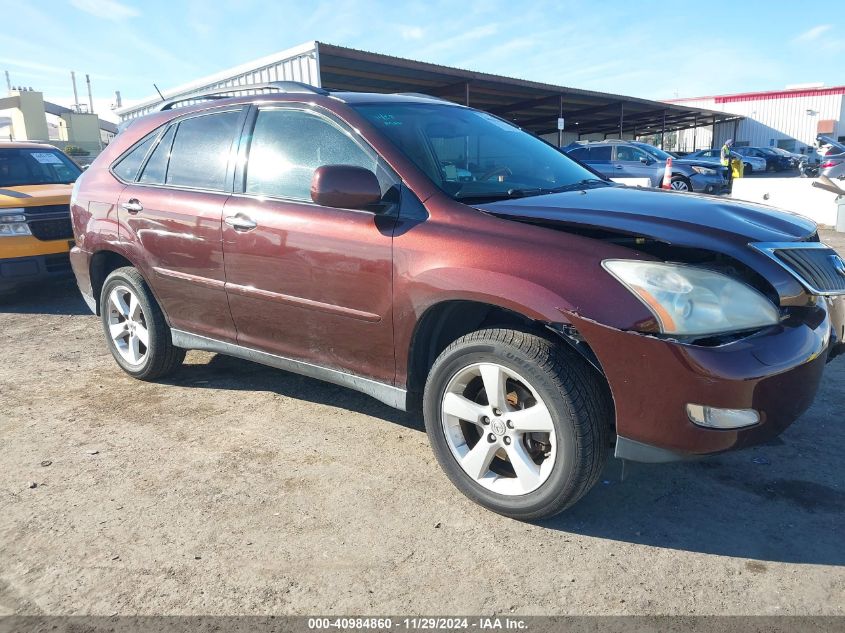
column 687, row 300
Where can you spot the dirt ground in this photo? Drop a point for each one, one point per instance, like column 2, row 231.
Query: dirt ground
column 237, row 489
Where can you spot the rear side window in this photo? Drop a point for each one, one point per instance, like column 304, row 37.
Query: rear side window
column 600, row 153
column 200, row 153
column 127, row 168
column 579, row 153
column 155, row 170
column 288, row 145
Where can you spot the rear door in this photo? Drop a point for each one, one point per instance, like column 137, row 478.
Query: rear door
column 600, row 158
column 171, row 217
column 305, row 281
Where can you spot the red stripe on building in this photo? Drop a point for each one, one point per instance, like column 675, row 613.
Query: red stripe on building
column 773, row 94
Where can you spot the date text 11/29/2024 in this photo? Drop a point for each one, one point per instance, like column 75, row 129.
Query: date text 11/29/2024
column 418, row 624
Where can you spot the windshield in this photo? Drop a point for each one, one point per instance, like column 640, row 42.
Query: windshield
column 35, row 166
column 658, row 153
column 471, row 154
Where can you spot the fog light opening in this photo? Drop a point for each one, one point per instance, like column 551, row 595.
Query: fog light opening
column 713, row 418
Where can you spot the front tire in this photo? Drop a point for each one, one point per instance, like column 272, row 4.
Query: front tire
column 679, row 183
column 747, row 169
column 136, row 333
column 539, row 443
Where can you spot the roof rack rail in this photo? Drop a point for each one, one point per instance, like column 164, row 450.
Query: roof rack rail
column 422, row 94
column 292, row 87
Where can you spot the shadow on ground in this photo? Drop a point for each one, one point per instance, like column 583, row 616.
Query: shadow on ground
column 54, row 297
column 764, row 503
column 227, row 372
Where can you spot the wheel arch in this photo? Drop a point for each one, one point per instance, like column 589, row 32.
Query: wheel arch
column 448, row 320
column 102, row 264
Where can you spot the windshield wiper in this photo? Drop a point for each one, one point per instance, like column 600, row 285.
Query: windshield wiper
column 581, row 184
column 537, row 191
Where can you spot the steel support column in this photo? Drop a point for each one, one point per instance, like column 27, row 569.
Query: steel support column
column 663, row 130
column 560, row 115
column 621, row 118
column 694, row 130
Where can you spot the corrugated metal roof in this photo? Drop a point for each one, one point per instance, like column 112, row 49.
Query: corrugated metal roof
column 533, row 105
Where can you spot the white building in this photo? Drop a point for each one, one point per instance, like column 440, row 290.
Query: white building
column 789, row 118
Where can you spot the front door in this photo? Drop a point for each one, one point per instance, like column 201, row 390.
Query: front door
column 632, row 162
column 304, row 281
column 171, row 217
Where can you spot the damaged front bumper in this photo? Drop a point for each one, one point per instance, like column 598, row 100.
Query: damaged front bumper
column 775, row 372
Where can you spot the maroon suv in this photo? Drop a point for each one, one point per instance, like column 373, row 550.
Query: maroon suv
column 432, row 255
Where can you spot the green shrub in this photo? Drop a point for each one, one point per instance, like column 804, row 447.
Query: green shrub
column 73, row 150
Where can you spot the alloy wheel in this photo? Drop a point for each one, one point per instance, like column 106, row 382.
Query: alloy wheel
column 498, row 429
column 128, row 325
column 680, row 185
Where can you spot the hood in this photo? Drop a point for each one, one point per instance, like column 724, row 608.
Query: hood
column 681, row 218
column 34, row 195
column 695, row 162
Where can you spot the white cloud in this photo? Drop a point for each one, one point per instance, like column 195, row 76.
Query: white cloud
column 106, row 9
column 810, row 35
column 411, row 33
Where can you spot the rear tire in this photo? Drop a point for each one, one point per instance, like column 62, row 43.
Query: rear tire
column 746, row 169
column 136, row 333
column 487, row 447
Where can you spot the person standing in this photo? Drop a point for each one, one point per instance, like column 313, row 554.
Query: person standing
column 725, row 156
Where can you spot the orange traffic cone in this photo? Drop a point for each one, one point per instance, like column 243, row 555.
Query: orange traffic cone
column 667, row 175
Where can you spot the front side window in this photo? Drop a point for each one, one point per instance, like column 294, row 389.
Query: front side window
column 628, row 153
column 473, row 155
column 35, row 166
column 288, row 145
column 201, row 149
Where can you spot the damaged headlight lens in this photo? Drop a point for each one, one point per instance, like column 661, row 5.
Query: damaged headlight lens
column 687, row 300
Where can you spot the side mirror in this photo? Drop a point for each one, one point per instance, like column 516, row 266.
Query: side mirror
column 644, row 160
column 345, row 187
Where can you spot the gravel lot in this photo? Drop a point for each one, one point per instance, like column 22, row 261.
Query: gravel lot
column 237, row 489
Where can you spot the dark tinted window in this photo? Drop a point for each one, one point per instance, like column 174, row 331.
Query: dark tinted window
column 600, row 153
column 579, row 152
column 128, row 166
column 35, row 166
column 288, row 145
column 201, row 150
column 156, row 168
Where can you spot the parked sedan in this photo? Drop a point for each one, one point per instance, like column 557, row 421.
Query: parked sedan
column 774, row 161
column 793, row 157
column 750, row 163
column 626, row 159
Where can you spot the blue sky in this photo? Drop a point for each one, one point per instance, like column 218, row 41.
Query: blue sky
column 648, row 49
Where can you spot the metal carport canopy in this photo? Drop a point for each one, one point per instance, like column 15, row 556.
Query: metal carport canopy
column 532, row 105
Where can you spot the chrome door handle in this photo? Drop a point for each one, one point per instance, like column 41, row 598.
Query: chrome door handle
column 618, row 166
column 240, row 222
column 133, row 206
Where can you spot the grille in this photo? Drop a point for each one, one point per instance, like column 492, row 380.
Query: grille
column 50, row 222
column 817, row 267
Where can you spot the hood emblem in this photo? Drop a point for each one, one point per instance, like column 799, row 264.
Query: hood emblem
column 838, row 264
